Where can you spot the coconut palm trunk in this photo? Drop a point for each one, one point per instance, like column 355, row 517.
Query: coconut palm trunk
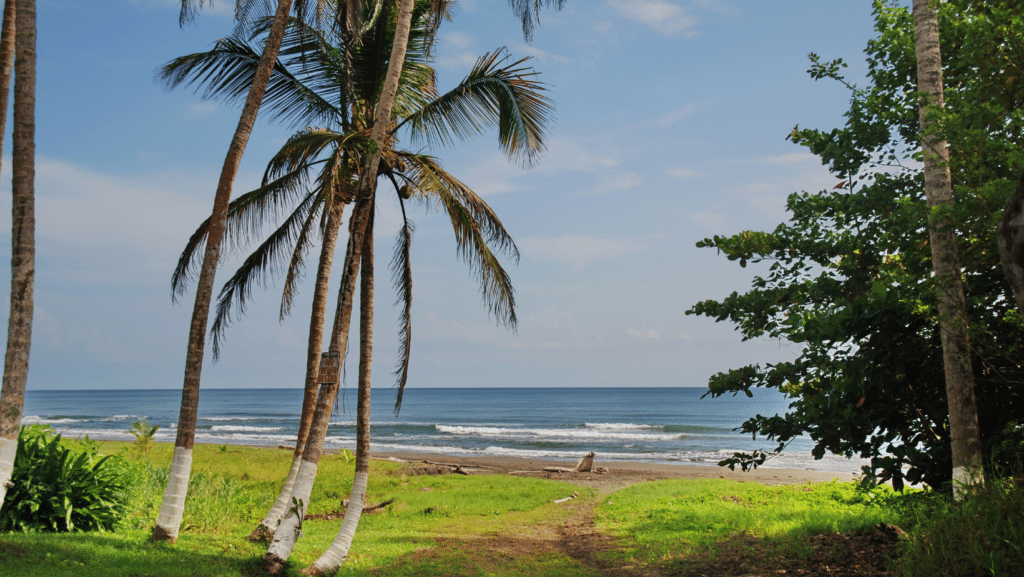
column 6, row 65
column 290, row 527
column 266, row 528
column 963, row 414
column 23, row 222
column 331, row 560
column 173, row 507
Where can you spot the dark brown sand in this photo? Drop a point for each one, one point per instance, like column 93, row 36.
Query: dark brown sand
column 614, row 474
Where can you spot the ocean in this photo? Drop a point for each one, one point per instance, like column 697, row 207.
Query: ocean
column 660, row 425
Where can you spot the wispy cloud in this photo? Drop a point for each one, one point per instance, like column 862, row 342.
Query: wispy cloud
column 217, row 7
column 539, row 55
column 670, row 118
column 680, row 172
column 665, row 17
column 200, row 109
column 578, row 251
column 464, row 54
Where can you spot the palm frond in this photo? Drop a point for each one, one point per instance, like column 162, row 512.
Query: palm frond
column 401, row 280
column 189, row 8
column 432, row 181
column 301, row 149
column 469, row 214
column 244, row 221
column 528, row 11
column 319, row 13
column 331, row 191
column 494, row 94
column 262, row 265
column 226, row 73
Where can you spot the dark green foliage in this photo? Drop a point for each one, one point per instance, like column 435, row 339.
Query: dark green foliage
column 57, row 488
column 851, row 278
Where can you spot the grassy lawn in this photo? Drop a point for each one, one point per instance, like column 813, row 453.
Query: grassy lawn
column 477, row 525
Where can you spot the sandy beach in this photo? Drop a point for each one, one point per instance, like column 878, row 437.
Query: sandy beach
column 613, row 474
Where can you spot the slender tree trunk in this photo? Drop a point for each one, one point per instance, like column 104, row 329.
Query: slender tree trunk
column 266, row 528
column 173, row 506
column 963, row 414
column 6, row 66
column 23, row 252
column 290, row 527
column 331, row 560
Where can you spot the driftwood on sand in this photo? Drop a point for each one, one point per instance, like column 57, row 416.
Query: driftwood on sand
column 585, row 465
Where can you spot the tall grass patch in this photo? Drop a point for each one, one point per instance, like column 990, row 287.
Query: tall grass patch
column 669, row 519
column 982, row 535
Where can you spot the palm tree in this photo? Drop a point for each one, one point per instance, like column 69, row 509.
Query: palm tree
column 166, row 528
column 23, row 222
column 492, row 95
column 528, row 11
column 6, row 64
column 963, row 413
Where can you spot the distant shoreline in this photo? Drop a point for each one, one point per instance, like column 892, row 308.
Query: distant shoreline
column 617, row 472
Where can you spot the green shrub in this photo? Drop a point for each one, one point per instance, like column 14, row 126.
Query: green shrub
column 143, row 433
column 62, row 488
column 982, row 535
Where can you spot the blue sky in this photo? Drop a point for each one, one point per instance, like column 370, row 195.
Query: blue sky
column 670, row 127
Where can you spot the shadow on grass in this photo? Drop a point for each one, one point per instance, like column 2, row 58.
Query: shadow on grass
column 505, row 555
column 87, row 555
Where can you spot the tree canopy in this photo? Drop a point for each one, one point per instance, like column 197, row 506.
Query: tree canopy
column 850, row 277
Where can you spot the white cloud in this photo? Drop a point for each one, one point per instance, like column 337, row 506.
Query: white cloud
column 496, row 175
column 217, row 7
column 791, row 158
column 433, row 328
column 540, row 55
column 675, row 116
column 464, row 54
column 664, row 17
column 680, row 172
column 716, row 6
column 650, row 334
column 578, row 251
column 87, row 209
column 602, row 166
column 200, row 110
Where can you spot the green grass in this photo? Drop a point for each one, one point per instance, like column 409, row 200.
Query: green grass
column 983, row 535
column 662, row 521
column 231, row 490
column 501, row 525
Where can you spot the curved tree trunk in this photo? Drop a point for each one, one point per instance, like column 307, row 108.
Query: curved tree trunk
column 173, row 506
column 266, row 528
column 331, row 560
column 23, row 223
column 963, row 415
column 290, row 527
column 6, row 66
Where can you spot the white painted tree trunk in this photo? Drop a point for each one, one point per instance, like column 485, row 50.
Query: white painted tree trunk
column 331, row 560
column 290, row 527
column 283, row 500
column 173, row 506
column 8, row 448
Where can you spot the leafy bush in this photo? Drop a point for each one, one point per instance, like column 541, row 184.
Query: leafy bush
column 62, row 488
column 143, row 433
column 982, row 535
